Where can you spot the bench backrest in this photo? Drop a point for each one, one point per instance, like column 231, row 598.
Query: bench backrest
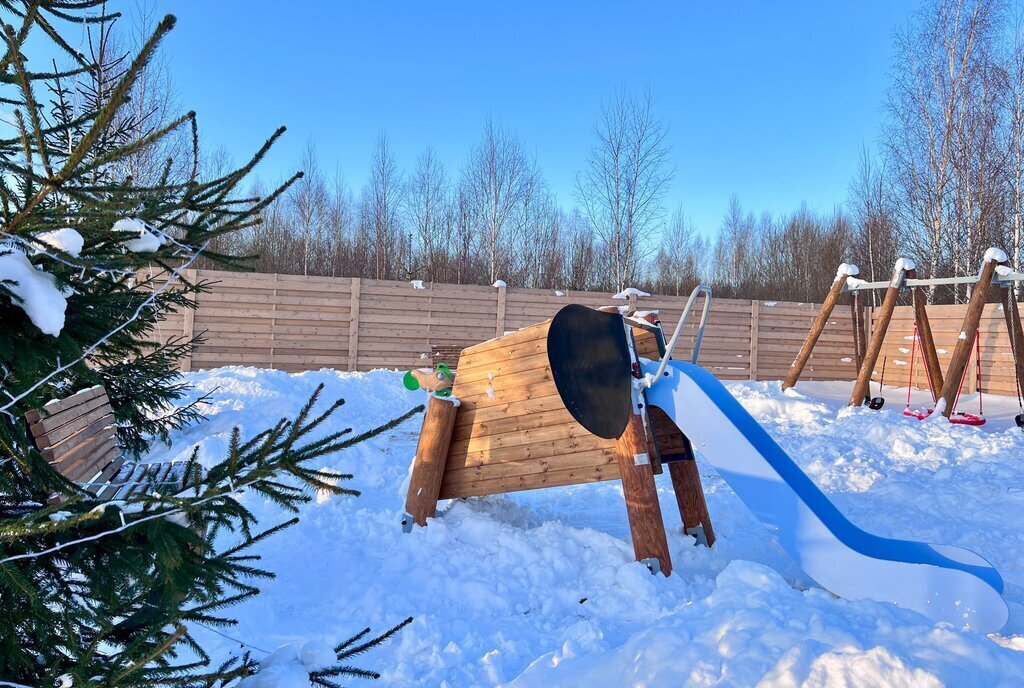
column 77, row 435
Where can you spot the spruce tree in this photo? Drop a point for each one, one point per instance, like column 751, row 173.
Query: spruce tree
column 106, row 594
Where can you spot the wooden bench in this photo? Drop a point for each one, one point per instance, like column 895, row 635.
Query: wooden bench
column 446, row 353
column 77, row 435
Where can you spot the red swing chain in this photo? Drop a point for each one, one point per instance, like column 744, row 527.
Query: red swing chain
column 963, row 378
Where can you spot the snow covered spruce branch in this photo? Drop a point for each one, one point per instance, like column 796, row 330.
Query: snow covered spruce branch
column 100, row 342
column 253, row 464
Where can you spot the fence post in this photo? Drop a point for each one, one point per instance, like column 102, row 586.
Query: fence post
column 273, row 324
column 755, row 316
column 353, row 327
column 191, row 276
column 499, row 325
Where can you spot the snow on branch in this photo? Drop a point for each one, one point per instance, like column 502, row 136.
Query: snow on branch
column 98, row 343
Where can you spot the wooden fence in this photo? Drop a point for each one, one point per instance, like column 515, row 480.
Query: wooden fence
column 296, row 323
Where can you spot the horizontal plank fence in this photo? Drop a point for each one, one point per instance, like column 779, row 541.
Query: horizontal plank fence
column 296, row 323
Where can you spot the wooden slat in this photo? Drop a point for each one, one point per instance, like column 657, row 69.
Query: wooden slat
column 57, row 406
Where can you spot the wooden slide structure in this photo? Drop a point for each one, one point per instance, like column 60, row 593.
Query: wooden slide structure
column 946, row 385
column 506, row 428
column 590, row 396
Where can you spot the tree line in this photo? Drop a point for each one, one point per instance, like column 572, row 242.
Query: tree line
column 943, row 181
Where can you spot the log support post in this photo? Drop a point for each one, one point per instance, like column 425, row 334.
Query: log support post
column 818, row 326
column 968, row 331
column 682, row 465
column 1013, row 328
column 645, row 522
column 693, row 508
column 428, row 464
column 924, row 333
column 860, row 337
column 881, row 325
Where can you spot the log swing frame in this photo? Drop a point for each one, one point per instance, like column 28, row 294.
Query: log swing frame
column 946, row 385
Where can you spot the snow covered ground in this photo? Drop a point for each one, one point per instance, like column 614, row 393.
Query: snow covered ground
column 539, row 588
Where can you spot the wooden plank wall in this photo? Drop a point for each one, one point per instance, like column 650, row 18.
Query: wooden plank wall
column 295, row 323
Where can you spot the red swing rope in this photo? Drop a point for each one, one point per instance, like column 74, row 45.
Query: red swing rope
column 927, row 373
column 963, row 378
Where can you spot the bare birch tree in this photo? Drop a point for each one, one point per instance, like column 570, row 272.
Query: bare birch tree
column 624, row 182
column 499, row 180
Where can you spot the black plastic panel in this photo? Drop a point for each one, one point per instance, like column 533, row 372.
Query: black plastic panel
column 590, row 363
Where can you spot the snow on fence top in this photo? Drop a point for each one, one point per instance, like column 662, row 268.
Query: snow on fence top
column 630, row 291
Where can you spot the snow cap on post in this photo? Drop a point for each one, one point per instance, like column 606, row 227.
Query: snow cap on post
column 996, row 254
column 899, row 271
column 499, row 284
column 846, row 270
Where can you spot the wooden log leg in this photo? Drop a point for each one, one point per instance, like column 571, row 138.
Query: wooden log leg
column 817, row 327
column 859, row 338
column 862, row 386
column 693, row 508
column 928, row 350
column 645, row 522
column 1014, row 329
column 965, row 341
column 428, row 464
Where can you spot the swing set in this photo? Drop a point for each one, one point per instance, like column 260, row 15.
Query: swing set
column 945, row 387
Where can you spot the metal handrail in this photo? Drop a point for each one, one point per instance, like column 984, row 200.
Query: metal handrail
column 698, row 290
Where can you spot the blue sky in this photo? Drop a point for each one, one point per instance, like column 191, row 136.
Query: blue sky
column 770, row 101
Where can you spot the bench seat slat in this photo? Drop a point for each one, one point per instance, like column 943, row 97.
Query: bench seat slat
column 82, row 467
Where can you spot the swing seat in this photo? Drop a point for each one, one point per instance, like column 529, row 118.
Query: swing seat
column 972, row 419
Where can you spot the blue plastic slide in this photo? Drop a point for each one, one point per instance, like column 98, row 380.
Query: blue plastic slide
column 942, row 582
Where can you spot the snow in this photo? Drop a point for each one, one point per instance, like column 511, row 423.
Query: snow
column 846, row 270
column 36, row 291
column 904, row 264
column 539, row 588
column 417, row 284
column 289, row 666
column 630, row 291
column 499, row 284
column 996, row 254
column 66, row 239
column 144, row 241
column 559, row 293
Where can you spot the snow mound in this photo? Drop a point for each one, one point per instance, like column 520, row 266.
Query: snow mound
column 499, row 284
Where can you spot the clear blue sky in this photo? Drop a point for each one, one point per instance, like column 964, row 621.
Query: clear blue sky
column 770, row 101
